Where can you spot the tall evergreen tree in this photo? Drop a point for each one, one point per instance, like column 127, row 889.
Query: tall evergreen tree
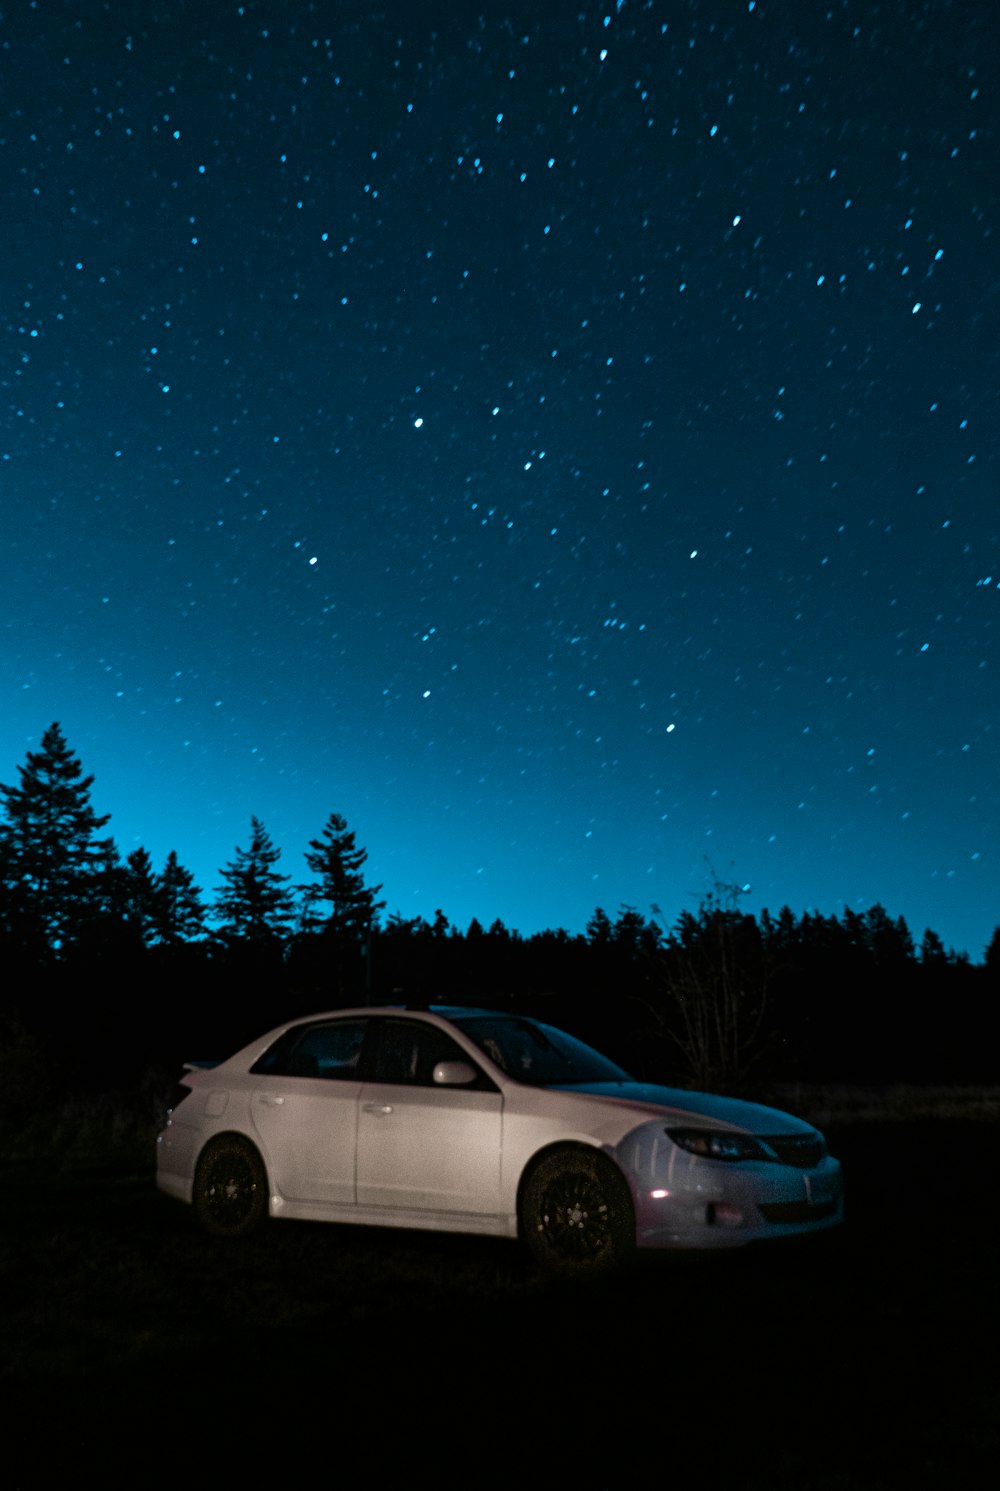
column 109, row 883
column 932, row 950
column 50, row 850
column 255, row 904
column 599, row 929
column 633, row 935
column 179, row 911
column 140, row 895
column 991, row 957
column 339, row 863
column 888, row 942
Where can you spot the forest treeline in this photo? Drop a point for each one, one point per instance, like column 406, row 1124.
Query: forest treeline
column 111, row 964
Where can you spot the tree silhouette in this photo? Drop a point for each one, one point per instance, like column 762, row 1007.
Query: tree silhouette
column 254, row 904
column 599, row 928
column 106, row 900
column 888, row 942
column 179, row 911
column 140, row 895
column 716, row 973
column 440, row 926
column 50, row 852
column 338, row 862
column 932, row 950
column 991, row 957
column 634, row 935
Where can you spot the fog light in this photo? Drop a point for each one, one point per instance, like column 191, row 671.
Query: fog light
column 723, row 1214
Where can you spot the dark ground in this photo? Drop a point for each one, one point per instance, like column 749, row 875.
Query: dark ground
column 137, row 1352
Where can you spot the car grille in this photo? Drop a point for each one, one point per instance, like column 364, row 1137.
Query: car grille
column 801, row 1150
column 798, row 1211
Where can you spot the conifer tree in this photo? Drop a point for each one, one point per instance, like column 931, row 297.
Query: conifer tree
column 599, row 929
column 140, row 895
column 108, row 895
column 180, row 912
column 932, row 950
column 255, row 904
column 50, row 850
column 339, row 864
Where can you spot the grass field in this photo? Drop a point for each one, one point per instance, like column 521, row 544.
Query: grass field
column 141, row 1352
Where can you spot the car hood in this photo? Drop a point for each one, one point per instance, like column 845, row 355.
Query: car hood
column 695, row 1108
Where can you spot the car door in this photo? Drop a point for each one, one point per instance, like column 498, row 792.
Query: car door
column 423, row 1147
column 305, row 1107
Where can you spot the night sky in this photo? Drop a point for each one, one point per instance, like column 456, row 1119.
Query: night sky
column 560, row 438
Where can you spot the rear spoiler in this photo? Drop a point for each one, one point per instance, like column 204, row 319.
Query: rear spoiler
column 200, row 1066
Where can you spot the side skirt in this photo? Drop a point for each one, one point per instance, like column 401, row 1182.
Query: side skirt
column 385, row 1216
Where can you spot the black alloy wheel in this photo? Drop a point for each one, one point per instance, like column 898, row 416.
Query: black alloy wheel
column 230, row 1188
column 576, row 1213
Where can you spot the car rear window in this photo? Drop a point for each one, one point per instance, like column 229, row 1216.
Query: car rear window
column 330, row 1052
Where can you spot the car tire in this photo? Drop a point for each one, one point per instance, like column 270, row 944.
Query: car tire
column 230, row 1188
column 576, row 1213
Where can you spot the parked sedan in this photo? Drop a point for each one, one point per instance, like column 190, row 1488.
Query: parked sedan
column 469, row 1120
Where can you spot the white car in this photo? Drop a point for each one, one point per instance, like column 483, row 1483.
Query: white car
column 469, row 1120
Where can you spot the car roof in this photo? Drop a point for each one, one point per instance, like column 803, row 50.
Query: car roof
column 444, row 1011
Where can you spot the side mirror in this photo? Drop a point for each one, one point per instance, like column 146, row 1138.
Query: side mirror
column 453, row 1074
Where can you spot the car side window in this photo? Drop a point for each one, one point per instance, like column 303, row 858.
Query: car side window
column 329, row 1052
column 407, row 1053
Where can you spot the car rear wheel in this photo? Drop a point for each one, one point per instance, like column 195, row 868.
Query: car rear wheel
column 230, row 1188
column 576, row 1212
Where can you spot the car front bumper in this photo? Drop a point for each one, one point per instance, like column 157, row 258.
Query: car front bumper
column 719, row 1204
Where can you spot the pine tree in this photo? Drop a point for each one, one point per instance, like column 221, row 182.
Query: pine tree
column 991, row 957
column 108, row 894
column 140, row 895
column 180, row 912
column 932, row 951
column 254, row 904
column 50, row 851
column 339, row 864
column 599, row 930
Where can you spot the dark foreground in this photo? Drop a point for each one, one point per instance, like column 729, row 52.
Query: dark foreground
column 136, row 1352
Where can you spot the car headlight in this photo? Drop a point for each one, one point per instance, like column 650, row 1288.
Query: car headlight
column 718, row 1146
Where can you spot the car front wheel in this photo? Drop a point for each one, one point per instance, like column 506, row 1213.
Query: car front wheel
column 230, row 1188
column 576, row 1212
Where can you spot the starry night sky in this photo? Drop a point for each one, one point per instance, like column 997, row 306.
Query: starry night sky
column 560, row 438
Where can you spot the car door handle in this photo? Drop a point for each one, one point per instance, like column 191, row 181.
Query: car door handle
column 271, row 1099
column 377, row 1107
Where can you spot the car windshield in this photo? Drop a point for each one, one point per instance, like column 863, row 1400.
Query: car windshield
column 538, row 1054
